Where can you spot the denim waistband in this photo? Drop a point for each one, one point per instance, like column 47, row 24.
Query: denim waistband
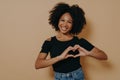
column 74, row 74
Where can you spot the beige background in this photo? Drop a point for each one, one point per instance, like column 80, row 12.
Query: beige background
column 24, row 26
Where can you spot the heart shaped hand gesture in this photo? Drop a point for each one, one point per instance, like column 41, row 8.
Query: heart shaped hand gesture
column 80, row 52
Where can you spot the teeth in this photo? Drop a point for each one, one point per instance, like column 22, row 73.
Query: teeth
column 63, row 28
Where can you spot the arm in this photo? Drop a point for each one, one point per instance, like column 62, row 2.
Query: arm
column 42, row 62
column 98, row 54
column 95, row 52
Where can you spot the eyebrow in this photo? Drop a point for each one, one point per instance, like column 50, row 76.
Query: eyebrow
column 68, row 20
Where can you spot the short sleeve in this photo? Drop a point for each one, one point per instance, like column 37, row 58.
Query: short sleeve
column 46, row 47
column 85, row 44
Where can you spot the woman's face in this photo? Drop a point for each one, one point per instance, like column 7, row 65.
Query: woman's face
column 65, row 23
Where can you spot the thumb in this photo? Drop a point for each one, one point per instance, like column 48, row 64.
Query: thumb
column 69, row 56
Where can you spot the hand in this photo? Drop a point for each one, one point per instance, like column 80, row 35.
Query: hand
column 65, row 54
column 82, row 51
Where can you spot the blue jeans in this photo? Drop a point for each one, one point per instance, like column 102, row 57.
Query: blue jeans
column 74, row 75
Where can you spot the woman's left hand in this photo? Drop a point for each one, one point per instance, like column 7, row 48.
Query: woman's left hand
column 82, row 51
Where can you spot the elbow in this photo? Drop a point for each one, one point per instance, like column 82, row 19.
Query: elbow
column 103, row 55
column 37, row 66
column 104, row 58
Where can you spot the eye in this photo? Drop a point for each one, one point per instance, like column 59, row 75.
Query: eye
column 62, row 20
column 70, row 22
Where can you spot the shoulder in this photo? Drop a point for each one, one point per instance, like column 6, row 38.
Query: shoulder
column 50, row 39
column 47, row 42
column 86, row 44
column 80, row 38
column 83, row 40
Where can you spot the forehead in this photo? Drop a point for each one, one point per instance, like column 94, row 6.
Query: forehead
column 66, row 16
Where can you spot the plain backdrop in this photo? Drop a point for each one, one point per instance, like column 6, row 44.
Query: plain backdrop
column 24, row 26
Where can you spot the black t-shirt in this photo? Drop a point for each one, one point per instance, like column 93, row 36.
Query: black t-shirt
column 56, row 47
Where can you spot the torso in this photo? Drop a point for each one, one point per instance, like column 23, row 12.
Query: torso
column 59, row 45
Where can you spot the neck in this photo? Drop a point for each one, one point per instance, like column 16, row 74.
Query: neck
column 64, row 36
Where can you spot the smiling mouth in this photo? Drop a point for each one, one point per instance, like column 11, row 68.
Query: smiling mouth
column 64, row 28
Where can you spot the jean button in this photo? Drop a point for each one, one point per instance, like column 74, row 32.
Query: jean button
column 67, row 75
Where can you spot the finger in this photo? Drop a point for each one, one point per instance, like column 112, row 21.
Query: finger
column 78, row 55
column 76, row 46
column 82, row 48
column 69, row 56
column 67, row 49
column 71, row 49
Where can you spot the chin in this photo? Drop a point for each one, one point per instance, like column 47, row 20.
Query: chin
column 64, row 32
column 67, row 31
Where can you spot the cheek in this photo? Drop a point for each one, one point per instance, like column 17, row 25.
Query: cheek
column 70, row 26
column 59, row 23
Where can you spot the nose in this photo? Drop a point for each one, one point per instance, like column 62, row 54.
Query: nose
column 65, row 24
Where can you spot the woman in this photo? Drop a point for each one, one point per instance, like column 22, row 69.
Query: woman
column 65, row 47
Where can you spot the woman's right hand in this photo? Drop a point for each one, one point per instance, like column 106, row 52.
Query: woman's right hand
column 65, row 54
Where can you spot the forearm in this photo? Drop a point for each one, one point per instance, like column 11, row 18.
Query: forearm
column 98, row 54
column 42, row 63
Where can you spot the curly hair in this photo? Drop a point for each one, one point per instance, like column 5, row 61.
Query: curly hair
column 76, row 13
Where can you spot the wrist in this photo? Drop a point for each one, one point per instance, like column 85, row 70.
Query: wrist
column 89, row 54
column 59, row 57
